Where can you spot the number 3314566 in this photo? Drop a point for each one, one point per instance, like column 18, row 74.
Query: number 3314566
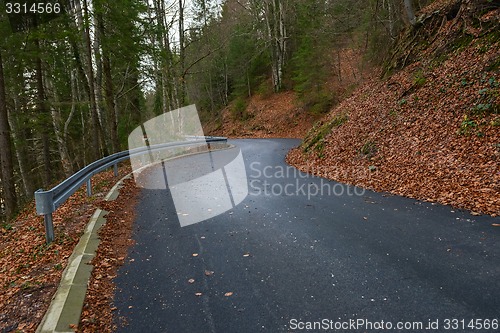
column 33, row 8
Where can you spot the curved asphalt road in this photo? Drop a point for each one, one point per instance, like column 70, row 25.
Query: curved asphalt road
column 290, row 260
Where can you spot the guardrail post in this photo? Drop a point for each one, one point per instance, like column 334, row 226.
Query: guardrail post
column 89, row 187
column 44, row 201
column 115, row 169
column 49, row 228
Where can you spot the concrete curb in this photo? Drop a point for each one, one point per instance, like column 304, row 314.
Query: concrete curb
column 66, row 306
column 67, row 303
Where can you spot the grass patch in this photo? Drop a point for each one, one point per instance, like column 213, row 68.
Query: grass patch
column 419, row 78
column 462, row 42
column 369, row 149
column 467, row 126
column 319, row 132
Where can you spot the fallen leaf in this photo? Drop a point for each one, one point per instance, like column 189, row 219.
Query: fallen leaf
column 191, row 281
column 209, row 273
column 246, row 254
column 195, row 254
column 230, row 293
column 496, row 224
column 198, row 294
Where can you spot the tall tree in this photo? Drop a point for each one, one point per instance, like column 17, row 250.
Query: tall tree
column 274, row 13
column 8, row 187
column 100, row 14
column 43, row 115
column 182, row 57
column 96, row 133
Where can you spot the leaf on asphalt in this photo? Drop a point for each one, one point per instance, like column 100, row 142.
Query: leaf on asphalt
column 209, row 273
column 246, row 254
column 496, row 224
column 191, row 281
column 195, row 254
column 198, row 294
column 230, row 293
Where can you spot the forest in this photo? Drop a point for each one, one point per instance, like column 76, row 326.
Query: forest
column 77, row 76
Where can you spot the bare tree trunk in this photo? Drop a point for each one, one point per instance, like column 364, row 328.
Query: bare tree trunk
column 108, row 84
column 74, row 100
column 110, row 103
column 182, row 57
column 226, row 84
column 43, row 116
column 409, row 12
column 281, row 40
column 165, row 63
column 276, row 29
column 95, row 130
column 18, row 127
column 60, row 138
column 390, row 10
column 8, row 186
column 21, row 153
column 98, row 55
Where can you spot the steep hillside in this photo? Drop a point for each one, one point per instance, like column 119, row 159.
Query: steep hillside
column 277, row 115
column 431, row 130
column 284, row 114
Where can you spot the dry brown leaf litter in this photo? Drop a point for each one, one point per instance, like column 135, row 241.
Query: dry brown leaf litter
column 115, row 236
column 419, row 137
column 278, row 115
column 30, row 270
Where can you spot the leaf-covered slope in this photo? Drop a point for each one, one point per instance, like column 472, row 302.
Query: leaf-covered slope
column 431, row 130
column 277, row 115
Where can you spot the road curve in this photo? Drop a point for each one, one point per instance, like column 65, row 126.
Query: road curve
column 303, row 252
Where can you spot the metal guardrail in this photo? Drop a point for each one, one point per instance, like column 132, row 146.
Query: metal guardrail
column 47, row 202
